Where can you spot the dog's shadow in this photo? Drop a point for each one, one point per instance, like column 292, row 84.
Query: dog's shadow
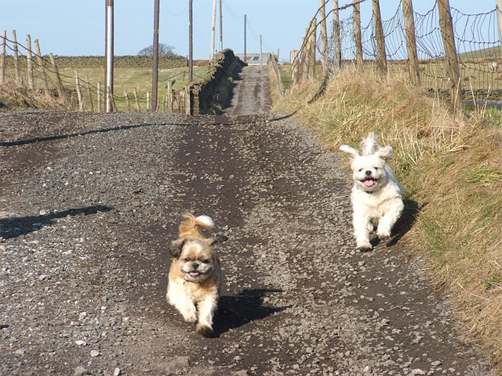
column 406, row 221
column 245, row 307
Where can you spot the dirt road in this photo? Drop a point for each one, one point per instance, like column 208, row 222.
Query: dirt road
column 90, row 204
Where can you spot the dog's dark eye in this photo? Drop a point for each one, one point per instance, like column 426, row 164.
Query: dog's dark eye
column 205, row 261
column 360, row 169
column 376, row 168
column 186, row 259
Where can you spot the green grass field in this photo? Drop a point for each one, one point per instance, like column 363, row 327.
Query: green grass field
column 126, row 78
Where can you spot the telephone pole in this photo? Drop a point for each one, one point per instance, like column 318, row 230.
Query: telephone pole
column 190, row 42
column 245, row 20
column 155, row 74
column 109, row 56
column 221, row 26
column 213, row 30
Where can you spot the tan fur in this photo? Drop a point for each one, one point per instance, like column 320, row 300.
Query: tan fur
column 195, row 274
column 191, row 228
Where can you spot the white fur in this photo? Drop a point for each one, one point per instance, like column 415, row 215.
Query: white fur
column 376, row 195
column 206, row 221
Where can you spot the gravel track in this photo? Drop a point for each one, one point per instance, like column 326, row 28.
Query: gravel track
column 90, row 203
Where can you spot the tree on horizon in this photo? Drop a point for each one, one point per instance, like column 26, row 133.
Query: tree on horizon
column 164, row 50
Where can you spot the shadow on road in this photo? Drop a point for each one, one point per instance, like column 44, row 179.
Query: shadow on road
column 12, row 227
column 406, row 221
column 238, row 310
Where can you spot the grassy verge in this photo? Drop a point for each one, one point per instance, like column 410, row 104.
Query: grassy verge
column 450, row 166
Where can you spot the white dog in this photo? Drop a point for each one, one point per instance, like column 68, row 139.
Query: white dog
column 376, row 195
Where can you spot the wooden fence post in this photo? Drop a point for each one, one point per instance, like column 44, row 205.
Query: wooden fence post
column 42, row 65
column 79, row 93
column 147, row 101
column 16, row 60
column 450, row 53
column 302, row 61
column 411, row 44
column 98, row 96
column 305, row 56
column 59, row 83
column 128, row 103
column 4, row 45
column 337, row 60
column 294, row 67
column 312, row 47
column 29, row 63
column 170, row 96
column 357, row 34
column 88, row 85
column 380, row 38
column 324, row 33
column 137, row 100
column 499, row 18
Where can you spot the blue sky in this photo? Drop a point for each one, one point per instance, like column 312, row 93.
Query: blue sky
column 77, row 27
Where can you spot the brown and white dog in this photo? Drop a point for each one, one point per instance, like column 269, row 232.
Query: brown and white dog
column 195, row 274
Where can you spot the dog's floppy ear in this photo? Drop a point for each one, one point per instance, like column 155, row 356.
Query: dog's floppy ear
column 218, row 239
column 385, row 153
column 177, row 247
column 347, row 149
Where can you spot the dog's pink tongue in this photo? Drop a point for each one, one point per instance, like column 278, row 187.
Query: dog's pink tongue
column 369, row 183
column 194, row 274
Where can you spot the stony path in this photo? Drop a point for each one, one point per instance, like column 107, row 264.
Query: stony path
column 90, row 204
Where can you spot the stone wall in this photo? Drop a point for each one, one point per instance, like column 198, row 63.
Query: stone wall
column 214, row 92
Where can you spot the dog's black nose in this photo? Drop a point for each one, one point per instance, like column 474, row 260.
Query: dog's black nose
column 195, row 265
column 368, row 172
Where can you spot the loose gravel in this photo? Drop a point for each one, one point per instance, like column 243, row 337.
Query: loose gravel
column 90, row 204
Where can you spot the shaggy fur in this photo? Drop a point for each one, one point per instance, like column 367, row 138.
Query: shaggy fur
column 195, row 273
column 376, row 195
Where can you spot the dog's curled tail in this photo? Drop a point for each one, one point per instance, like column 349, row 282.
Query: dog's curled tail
column 191, row 226
column 369, row 144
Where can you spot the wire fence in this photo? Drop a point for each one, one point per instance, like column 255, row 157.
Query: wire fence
column 477, row 43
column 22, row 68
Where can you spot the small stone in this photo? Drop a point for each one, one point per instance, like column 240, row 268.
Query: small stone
column 418, row 371
column 80, row 343
column 116, row 372
column 94, row 353
column 19, row 352
column 80, row 371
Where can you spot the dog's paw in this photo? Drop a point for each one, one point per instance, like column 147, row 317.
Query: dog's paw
column 204, row 329
column 383, row 233
column 190, row 318
column 364, row 248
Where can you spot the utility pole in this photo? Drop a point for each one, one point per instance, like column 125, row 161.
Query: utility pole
column 261, row 52
column 155, row 74
column 221, row 26
column 109, row 56
column 213, row 30
column 190, row 42
column 245, row 20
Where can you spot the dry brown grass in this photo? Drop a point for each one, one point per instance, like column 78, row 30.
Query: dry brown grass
column 450, row 166
column 13, row 97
